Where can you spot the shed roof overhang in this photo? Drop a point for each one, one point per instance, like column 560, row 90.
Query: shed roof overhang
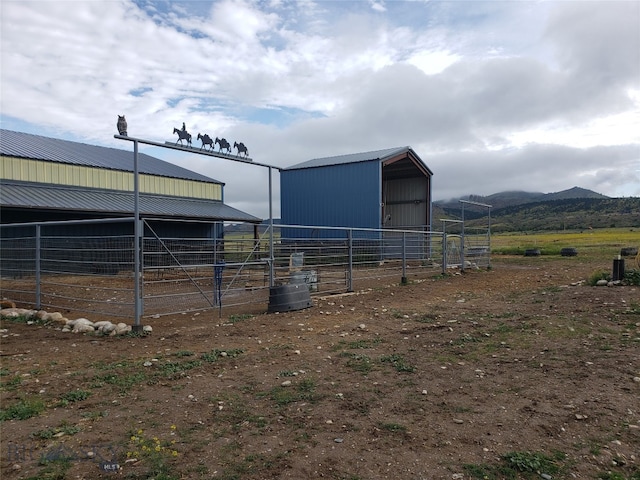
column 49, row 197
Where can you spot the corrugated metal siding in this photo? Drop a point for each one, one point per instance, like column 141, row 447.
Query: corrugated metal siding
column 42, row 171
column 341, row 195
column 406, row 201
column 19, row 195
column 25, row 145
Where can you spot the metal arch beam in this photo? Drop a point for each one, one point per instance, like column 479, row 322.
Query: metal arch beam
column 208, row 153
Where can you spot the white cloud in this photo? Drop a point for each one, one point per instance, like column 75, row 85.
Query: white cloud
column 493, row 95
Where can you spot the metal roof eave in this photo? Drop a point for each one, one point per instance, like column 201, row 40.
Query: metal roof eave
column 51, row 197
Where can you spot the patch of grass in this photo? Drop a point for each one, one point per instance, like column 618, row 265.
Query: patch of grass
column 22, row 410
column 632, row 277
column 515, row 465
column 49, row 433
column 239, row 318
column 74, row 396
column 174, row 370
column 55, row 469
column 255, row 466
column 25, row 319
column 303, row 391
column 361, row 344
column 216, row 354
column 392, row 427
column 426, row 318
column 184, row 353
column 597, row 276
column 123, row 382
column 358, row 362
column 12, row 384
column 398, row 362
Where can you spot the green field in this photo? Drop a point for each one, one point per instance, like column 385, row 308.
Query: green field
column 598, row 242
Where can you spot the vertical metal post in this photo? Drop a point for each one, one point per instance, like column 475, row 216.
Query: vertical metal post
column 489, row 239
column 404, row 258
column 38, row 268
column 462, row 242
column 350, row 257
column 137, row 326
column 271, row 252
column 444, row 248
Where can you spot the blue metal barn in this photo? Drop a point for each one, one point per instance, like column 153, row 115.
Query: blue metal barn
column 388, row 188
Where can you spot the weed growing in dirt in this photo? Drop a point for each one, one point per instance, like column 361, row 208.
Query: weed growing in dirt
column 598, row 275
column 63, row 429
column 184, row 353
column 55, row 469
column 398, row 362
column 358, row 344
column 358, row 362
column 392, row 427
column 122, row 381
column 632, row 277
column 516, row 465
column 22, row 410
column 156, row 455
column 215, row 354
column 11, row 384
column 284, row 395
column 74, row 396
column 239, row 318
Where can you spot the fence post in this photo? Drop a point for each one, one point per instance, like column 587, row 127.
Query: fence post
column 404, row 258
column 350, row 255
column 38, row 268
column 444, row 252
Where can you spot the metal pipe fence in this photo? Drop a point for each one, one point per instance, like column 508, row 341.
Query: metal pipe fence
column 87, row 267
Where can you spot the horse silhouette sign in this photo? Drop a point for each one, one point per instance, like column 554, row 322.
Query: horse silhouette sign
column 209, row 145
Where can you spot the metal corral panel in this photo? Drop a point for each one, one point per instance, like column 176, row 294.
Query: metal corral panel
column 338, row 195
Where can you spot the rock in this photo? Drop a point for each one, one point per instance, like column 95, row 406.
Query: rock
column 122, row 328
column 602, row 283
column 457, row 420
column 4, row 303
column 286, row 383
column 83, row 328
column 57, row 317
column 147, row 329
column 80, row 321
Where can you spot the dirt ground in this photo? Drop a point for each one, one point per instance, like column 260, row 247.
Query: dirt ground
column 474, row 375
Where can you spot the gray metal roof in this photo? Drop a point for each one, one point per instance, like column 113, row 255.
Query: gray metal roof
column 26, row 145
column 55, row 197
column 379, row 155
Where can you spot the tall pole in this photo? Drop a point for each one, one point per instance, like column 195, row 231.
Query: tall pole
column 271, row 253
column 137, row 327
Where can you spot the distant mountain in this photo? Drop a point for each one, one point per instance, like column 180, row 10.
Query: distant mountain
column 512, row 198
column 576, row 208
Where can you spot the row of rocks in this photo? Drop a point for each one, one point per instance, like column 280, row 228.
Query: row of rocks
column 79, row 325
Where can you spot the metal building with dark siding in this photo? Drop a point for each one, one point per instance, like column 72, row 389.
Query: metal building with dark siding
column 388, row 188
column 46, row 179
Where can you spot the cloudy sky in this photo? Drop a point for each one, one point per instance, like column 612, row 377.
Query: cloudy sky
column 493, row 95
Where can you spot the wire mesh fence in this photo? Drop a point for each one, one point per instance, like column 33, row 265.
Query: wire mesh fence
column 87, row 267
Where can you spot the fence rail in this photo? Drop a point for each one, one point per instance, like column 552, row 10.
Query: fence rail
column 58, row 265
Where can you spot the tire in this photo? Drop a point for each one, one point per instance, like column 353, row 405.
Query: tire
column 568, row 252
column 532, row 252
